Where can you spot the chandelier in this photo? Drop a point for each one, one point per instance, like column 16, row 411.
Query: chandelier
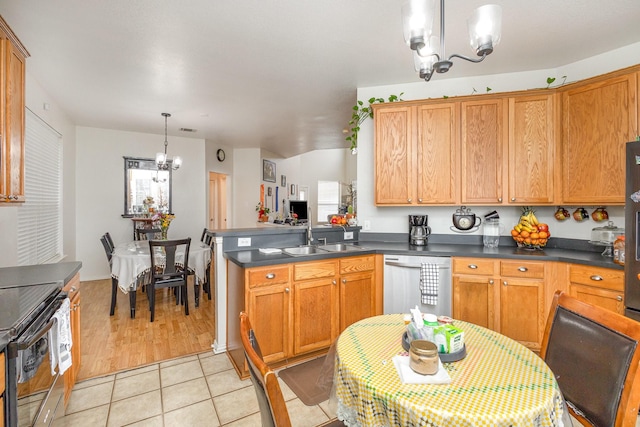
column 162, row 162
column 417, row 20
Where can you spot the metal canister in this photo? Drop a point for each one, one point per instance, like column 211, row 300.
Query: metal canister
column 423, row 357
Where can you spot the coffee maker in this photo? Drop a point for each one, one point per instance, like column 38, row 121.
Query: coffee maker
column 418, row 230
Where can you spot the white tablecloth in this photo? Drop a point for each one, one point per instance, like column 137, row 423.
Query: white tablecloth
column 131, row 262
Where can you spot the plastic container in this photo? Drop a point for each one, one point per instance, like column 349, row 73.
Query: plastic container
column 618, row 250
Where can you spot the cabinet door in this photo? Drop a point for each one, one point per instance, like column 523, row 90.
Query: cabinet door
column 531, row 149
column 473, row 300
column 72, row 288
column 357, row 298
column 315, row 318
column 394, row 155
column 605, row 298
column 522, row 311
column 268, row 308
column 12, row 159
column 598, row 120
column 437, row 153
column 482, row 151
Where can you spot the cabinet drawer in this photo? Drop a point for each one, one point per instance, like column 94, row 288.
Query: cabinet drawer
column 273, row 275
column 600, row 277
column 356, row 264
column 533, row 270
column 473, row 266
column 314, row 270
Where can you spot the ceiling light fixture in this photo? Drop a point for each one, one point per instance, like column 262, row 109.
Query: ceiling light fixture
column 162, row 162
column 485, row 26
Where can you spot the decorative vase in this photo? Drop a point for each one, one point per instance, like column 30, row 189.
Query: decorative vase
column 164, row 231
column 264, row 218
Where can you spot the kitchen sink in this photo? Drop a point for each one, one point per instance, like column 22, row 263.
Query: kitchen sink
column 339, row 247
column 303, row 250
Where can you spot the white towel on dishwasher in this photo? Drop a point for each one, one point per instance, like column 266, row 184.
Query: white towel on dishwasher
column 60, row 339
column 429, row 282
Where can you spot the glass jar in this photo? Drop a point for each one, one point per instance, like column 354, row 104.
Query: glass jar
column 618, row 250
column 423, row 357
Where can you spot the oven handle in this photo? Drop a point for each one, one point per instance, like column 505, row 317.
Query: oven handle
column 402, row 264
column 25, row 345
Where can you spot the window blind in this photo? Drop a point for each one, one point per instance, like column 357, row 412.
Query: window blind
column 328, row 199
column 40, row 217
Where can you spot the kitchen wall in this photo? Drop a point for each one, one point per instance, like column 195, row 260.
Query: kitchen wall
column 394, row 219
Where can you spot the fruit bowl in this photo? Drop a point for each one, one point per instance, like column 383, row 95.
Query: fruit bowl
column 529, row 233
column 530, row 247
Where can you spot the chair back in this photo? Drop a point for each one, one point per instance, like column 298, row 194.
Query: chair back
column 148, row 233
column 164, row 269
column 108, row 250
column 110, row 240
column 273, row 409
column 204, row 233
column 594, row 355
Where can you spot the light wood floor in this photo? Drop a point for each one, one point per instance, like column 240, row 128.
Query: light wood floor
column 114, row 343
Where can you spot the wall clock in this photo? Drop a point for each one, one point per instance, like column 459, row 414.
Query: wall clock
column 220, row 154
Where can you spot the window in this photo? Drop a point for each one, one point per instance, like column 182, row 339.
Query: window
column 328, row 199
column 143, row 180
column 40, row 217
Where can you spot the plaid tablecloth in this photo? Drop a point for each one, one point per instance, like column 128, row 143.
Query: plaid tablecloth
column 500, row 383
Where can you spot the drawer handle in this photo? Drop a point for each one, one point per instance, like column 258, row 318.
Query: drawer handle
column 270, row 276
column 472, row 266
column 596, row 278
column 619, row 297
column 286, row 290
column 523, row 269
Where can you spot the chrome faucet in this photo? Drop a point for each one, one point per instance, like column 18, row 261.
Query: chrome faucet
column 309, row 234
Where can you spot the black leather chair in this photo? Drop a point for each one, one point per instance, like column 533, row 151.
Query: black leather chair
column 165, row 273
column 273, row 409
column 594, row 355
column 110, row 241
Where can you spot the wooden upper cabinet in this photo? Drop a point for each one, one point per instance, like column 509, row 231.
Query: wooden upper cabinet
column 437, row 153
column 394, row 155
column 532, row 149
column 483, row 151
column 12, row 102
column 598, row 119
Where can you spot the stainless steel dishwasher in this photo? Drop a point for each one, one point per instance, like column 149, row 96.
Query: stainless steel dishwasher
column 402, row 284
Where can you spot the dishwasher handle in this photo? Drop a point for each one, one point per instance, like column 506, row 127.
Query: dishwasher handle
column 407, row 265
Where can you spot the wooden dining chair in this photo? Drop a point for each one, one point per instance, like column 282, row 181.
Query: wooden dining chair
column 273, row 409
column 165, row 273
column 110, row 241
column 594, row 355
column 148, row 233
column 108, row 249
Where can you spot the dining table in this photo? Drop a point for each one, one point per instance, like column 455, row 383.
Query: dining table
column 131, row 263
column 498, row 383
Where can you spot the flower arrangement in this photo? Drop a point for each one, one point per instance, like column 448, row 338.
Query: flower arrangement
column 262, row 210
column 163, row 220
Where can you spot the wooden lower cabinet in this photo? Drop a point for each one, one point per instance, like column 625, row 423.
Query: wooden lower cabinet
column 70, row 376
column 599, row 286
column 506, row 296
column 300, row 308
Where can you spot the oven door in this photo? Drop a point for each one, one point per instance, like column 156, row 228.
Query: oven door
column 33, row 393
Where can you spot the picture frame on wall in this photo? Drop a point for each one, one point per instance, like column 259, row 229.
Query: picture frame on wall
column 268, row 171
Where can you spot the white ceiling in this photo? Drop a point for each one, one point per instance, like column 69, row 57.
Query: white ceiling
column 276, row 74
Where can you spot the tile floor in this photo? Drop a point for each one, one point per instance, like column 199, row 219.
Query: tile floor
column 198, row 390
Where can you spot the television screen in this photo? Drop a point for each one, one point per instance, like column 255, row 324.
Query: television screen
column 299, row 207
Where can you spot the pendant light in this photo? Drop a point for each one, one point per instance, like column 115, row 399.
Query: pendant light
column 162, row 161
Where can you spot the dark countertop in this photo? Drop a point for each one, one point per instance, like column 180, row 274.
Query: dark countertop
column 33, row 275
column 254, row 258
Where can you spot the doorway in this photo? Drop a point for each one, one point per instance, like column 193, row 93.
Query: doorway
column 217, row 201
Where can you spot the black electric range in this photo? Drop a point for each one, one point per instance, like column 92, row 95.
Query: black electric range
column 20, row 305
